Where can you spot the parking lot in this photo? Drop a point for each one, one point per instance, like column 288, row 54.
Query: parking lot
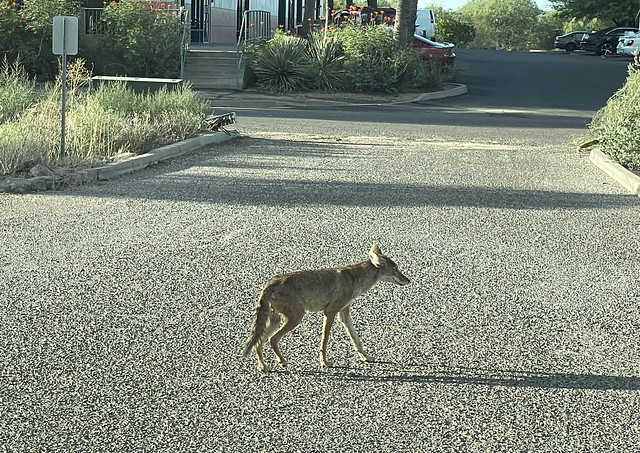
column 124, row 305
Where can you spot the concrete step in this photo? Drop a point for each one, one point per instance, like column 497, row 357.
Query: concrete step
column 215, row 65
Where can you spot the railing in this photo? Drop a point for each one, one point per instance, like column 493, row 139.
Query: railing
column 255, row 25
column 184, row 42
column 91, row 24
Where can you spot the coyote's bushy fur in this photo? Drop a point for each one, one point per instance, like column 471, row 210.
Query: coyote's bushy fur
column 287, row 297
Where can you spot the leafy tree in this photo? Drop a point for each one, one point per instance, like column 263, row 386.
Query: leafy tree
column 549, row 25
column 26, row 29
column 147, row 38
column 451, row 26
column 502, row 24
column 619, row 12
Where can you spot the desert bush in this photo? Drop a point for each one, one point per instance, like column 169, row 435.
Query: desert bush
column 280, row 64
column 26, row 31
column 350, row 58
column 101, row 123
column 326, row 62
column 147, row 38
column 17, row 90
column 370, row 58
column 616, row 125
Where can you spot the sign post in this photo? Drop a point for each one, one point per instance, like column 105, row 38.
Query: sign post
column 65, row 42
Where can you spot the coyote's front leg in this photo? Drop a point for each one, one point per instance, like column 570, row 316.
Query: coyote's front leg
column 345, row 318
column 326, row 330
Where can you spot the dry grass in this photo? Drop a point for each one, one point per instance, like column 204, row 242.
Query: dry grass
column 101, row 122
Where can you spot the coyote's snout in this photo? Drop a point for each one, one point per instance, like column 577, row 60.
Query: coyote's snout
column 287, row 297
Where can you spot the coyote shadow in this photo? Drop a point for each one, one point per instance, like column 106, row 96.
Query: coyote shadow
column 409, row 373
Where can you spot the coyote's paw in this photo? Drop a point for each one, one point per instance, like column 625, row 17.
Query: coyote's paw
column 365, row 358
column 324, row 363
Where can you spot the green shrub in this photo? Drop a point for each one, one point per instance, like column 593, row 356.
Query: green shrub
column 452, row 27
column 617, row 125
column 26, row 30
column 423, row 73
column 363, row 59
column 147, row 38
column 370, row 58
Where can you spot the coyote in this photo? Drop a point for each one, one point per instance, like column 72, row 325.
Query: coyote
column 288, row 296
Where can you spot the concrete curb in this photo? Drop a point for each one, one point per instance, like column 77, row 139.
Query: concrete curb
column 458, row 90
column 624, row 177
column 154, row 156
column 116, row 169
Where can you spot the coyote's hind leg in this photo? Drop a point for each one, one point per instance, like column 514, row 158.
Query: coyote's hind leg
column 272, row 326
column 292, row 317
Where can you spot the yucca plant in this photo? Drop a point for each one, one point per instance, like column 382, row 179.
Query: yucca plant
column 326, row 64
column 282, row 66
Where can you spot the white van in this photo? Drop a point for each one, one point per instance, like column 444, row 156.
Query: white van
column 426, row 24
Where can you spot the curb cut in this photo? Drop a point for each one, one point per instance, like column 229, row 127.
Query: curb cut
column 458, row 90
column 624, row 177
column 116, row 169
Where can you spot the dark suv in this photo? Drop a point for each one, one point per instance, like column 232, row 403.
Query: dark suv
column 604, row 42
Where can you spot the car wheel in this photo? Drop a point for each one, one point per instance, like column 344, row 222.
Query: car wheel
column 570, row 47
column 606, row 49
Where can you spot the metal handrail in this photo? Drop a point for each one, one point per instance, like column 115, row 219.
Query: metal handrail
column 241, row 40
column 184, row 41
column 259, row 26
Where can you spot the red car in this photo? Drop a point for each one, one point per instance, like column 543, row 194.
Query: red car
column 441, row 51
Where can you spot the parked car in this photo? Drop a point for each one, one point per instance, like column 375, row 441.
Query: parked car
column 569, row 41
column 604, row 42
column 441, row 51
column 426, row 24
column 629, row 44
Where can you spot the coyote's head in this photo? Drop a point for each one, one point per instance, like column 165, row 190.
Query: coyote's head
column 387, row 269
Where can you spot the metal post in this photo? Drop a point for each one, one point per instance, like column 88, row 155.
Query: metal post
column 64, row 45
column 64, row 92
column 64, row 103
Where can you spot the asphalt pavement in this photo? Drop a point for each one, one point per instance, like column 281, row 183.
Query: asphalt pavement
column 124, row 304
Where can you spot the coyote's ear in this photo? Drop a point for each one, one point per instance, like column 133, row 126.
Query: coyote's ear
column 375, row 255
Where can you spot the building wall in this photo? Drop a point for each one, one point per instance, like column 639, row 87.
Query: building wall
column 223, row 21
column 223, row 18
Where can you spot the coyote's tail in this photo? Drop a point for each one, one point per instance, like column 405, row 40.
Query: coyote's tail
column 259, row 323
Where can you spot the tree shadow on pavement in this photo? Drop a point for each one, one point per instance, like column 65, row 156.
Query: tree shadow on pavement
column 488, row 377
column 299, row 173
column 298, row 192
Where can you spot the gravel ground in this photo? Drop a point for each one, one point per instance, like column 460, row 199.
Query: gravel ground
column 124, row 305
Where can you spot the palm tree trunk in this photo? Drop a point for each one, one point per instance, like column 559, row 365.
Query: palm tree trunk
column 405, row 25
